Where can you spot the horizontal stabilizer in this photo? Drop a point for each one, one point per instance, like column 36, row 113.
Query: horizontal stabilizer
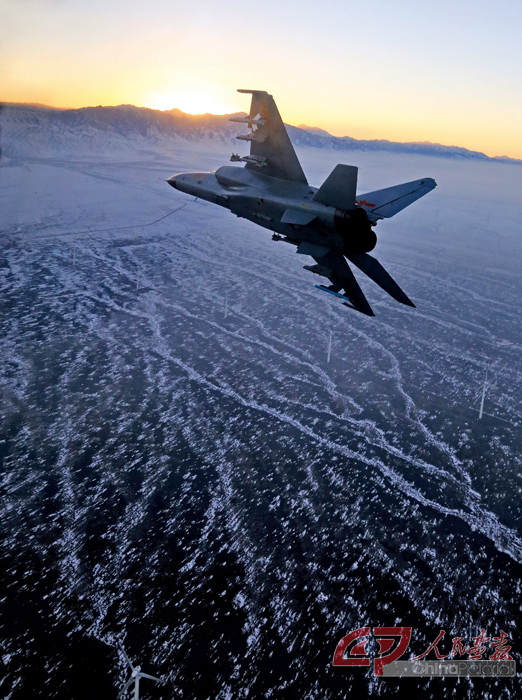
column 298, row 217
column 338, row 190
column 382, row 204
column 376, row 272
column 343, row 278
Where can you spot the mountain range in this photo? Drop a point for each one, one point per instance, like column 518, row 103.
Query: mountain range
column 32, row 129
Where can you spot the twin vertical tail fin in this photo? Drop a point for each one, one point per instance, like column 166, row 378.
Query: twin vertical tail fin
column 271, row 151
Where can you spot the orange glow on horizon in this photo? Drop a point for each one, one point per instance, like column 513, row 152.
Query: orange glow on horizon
column 335, row 117
column 188, row 102
column 352, row 122
column 392, row 82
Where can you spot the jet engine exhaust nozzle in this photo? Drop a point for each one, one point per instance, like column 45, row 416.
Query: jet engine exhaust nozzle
column 355, row 229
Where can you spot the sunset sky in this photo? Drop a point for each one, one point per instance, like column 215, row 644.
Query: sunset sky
column 445, row 71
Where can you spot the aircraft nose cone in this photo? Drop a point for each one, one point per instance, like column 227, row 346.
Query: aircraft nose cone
column 172, row 181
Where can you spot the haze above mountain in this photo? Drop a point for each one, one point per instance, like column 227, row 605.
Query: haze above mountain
column 29, row 126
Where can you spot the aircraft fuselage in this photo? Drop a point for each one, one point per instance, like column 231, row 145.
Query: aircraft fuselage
column 268, row 201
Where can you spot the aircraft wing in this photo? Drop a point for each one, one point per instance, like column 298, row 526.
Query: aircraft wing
column 271, row 151
column 385, row 203
column 334, row 266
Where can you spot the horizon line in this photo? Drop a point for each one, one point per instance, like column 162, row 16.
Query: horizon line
column 503, row 157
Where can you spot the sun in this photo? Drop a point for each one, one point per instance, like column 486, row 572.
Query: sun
column 189, row 102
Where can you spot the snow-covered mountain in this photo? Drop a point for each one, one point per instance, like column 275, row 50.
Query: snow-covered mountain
column 37, row 129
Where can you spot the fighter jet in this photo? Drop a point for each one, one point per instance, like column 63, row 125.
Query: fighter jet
column 332, row 224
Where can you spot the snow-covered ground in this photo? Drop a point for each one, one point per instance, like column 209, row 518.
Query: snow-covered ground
column 199, row 480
